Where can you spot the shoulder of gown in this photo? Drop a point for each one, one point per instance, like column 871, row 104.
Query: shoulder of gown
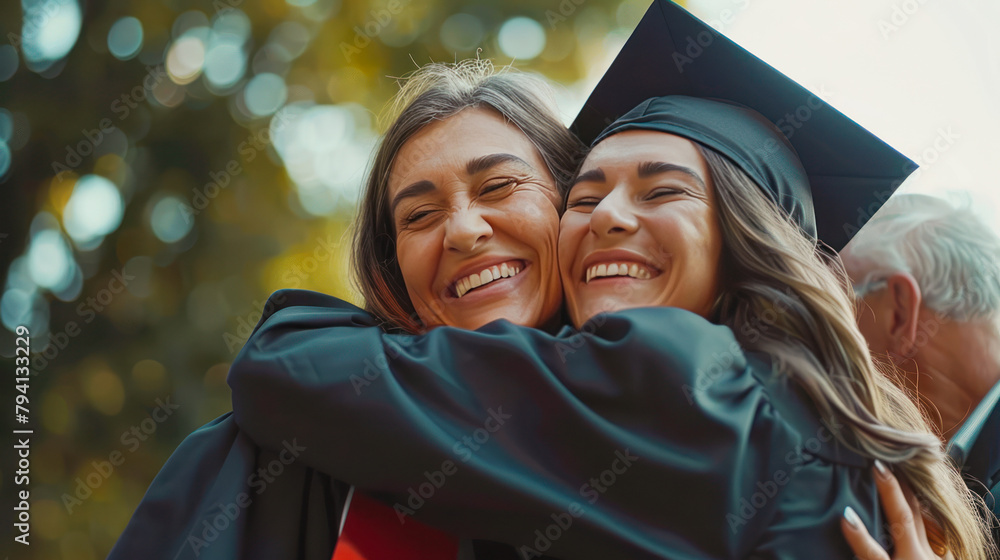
column 220, row 497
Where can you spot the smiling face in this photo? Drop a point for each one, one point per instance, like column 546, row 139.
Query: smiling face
column 640, row 228
column 476, row 223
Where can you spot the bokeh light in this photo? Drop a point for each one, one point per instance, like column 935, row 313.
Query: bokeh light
column 232, row 22
column 170, row 220
column 5, row 158
column 50, row 29
column 185, row 59
column 94, row 209
column 50, row 261
column 291, row 35
column 9, row 61
column 522, row 38
column 462, row 32
column 104, row 390
column 125, row 38
column 225, row 63
column 325, row 149
column 265, row 94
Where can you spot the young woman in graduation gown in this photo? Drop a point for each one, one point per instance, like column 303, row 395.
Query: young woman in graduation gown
column 739, row 418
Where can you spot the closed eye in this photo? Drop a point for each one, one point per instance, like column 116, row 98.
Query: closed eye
column 417, row 216
column 664, row 191
column 586, row 202
column 487, row 189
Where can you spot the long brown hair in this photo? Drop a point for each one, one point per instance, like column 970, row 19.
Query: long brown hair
column 433, row 93
column 770, row 265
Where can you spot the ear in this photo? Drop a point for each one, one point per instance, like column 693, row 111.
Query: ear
column 905, row 300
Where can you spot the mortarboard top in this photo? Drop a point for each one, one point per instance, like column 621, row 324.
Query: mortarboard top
column 851, row 171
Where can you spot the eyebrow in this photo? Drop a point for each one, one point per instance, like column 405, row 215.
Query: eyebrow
column 646, row 169
column 595, row 175
column 649, row 168
column 474, row 166
column 416, row 189
column 483, row 163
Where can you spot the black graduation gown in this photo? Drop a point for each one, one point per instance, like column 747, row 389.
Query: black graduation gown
column 212, row 501
column 652, row 437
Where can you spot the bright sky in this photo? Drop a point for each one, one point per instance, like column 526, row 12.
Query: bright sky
column 923, row 75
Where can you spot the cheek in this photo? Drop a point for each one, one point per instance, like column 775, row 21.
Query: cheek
column 572, row 228
column 416, row 261
column 534, row 220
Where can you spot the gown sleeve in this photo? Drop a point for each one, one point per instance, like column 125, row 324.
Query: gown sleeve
column 634, row 438
column 212, row 501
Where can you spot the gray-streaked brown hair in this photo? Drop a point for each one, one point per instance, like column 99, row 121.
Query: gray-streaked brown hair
column 433, row 93
column 783, row 296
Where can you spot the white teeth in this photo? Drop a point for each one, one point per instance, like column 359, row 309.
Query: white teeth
column 617, row 269
column 488, row 275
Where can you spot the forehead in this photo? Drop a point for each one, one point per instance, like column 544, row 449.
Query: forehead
column 634, row 146
column 445, row 147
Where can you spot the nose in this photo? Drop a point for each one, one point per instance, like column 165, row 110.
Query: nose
column 614, row 214
column 466, row 230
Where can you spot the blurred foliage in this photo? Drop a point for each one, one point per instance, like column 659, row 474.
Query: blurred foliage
column 150, row 309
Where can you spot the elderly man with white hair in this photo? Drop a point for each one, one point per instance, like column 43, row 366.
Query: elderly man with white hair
column 927, row 277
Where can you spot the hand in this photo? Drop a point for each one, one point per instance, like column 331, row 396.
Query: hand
column 915, row 539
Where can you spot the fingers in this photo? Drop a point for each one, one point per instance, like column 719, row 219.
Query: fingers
column 862, row 544
column 900, row 514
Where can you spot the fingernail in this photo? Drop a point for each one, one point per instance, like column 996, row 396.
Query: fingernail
column 880, row 467
column 852, row 517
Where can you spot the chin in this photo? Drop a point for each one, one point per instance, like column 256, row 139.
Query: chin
column 516, row 316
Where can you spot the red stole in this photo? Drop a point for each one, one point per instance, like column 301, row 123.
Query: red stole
column 372, row 531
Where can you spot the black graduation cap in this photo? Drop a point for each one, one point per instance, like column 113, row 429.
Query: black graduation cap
column 671, row 53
